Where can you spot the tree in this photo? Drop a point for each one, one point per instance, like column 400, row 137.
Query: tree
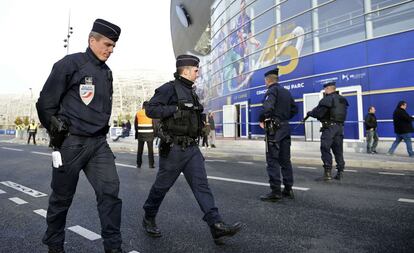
column 128, row 116
column 119, row 119
column 18, row 121
column 26, row 120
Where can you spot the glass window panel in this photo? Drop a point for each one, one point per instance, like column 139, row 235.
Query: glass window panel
column 294, row 7
column 340, row 23
column 378, row 4
column 392, row 20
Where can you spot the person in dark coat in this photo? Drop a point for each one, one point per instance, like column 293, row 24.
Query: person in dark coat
column 278, row 108
column 75, row 106
column 177, row 106
column 403, row 128
column 371, row 130
column 331, row 112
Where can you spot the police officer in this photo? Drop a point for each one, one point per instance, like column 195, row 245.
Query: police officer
column 177, row 106
column 144, row 132
column 278, row 108
column 331, row 112
column 75, row 106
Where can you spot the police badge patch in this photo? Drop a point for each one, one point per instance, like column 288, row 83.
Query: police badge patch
column 87, row 90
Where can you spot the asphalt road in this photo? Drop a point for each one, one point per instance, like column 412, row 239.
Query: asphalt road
column 370, row 210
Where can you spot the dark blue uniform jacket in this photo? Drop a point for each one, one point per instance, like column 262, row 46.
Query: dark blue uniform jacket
column 164, row 103
column 278, row 103
column 61, row 94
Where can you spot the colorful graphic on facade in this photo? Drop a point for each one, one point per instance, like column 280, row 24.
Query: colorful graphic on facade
column 311, row 42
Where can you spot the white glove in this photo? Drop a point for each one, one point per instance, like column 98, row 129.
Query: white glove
column 56, row 159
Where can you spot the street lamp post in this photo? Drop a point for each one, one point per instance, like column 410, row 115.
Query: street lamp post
column 31, row 101
column 67, row 39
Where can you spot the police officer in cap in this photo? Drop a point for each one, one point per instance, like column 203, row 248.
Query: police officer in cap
column 75, row 106
column 177, row 106
column 331, row 112
column 278, row 108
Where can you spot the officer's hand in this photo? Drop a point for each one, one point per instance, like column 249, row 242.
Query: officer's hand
column 261, row 124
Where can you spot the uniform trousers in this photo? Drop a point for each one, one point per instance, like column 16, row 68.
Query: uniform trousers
column 190, row 162
column 278, row 160
column 332, row 138
column 95, row 158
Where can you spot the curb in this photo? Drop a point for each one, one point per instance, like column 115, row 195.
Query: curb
column 317, row 161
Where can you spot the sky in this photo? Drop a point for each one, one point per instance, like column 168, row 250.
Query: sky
column 32, row 34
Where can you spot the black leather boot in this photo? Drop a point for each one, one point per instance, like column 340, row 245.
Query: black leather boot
column 327, row 174
column 339, row 175
column 58, row 249
column 272, row 196
column 150, row 227
column 288, row 192
column 221, row 230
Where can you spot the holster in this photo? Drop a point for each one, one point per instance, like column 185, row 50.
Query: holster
column 59, row 130
column 271, row 126
column 164, row 148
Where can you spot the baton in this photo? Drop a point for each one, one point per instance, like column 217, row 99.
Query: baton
column 301, row 122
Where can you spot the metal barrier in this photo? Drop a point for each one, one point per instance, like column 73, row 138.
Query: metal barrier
column 312, row 134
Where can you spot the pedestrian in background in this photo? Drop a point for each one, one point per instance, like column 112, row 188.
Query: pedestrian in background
column 331, row 112
column 75, row 106
column 177, row 106
column 205, row 131
column 371, row 130
column 144, row 132
column 403, row 128
column 278, row 108
column 212, row 135
column 32, row 130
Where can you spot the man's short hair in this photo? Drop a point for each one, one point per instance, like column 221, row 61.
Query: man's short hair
column 272, row 78
column 401, row 103
column 369, row 108
column 95, row 35
column 180, row 70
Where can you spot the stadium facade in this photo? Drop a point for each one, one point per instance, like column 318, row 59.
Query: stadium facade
column 365, row 46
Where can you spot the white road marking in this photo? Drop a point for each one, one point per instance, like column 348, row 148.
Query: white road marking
column 306, row 167
column 1, row 192
column 125, row 165
column 41, row 153
column 350, row 170
column 85, row 232
column 391, row 173
column 246, row 162
column 24, row 189
column 251, row 182
column 406, row 200
column 223, row 161
column 41, row 212
column 134, row 251
column 14, row 149
column 18, row 201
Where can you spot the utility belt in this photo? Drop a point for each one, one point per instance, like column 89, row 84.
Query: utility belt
column 184, row 141
column 326, row 124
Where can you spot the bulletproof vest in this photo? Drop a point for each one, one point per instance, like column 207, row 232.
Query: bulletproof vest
column 337, row 113
column 187, row 120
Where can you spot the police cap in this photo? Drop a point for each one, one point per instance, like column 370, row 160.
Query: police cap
column 272, row 72
column 187, row 60
column 107, row 29
column 329, row 84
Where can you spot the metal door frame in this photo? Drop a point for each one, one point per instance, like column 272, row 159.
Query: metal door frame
column 246, row 103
